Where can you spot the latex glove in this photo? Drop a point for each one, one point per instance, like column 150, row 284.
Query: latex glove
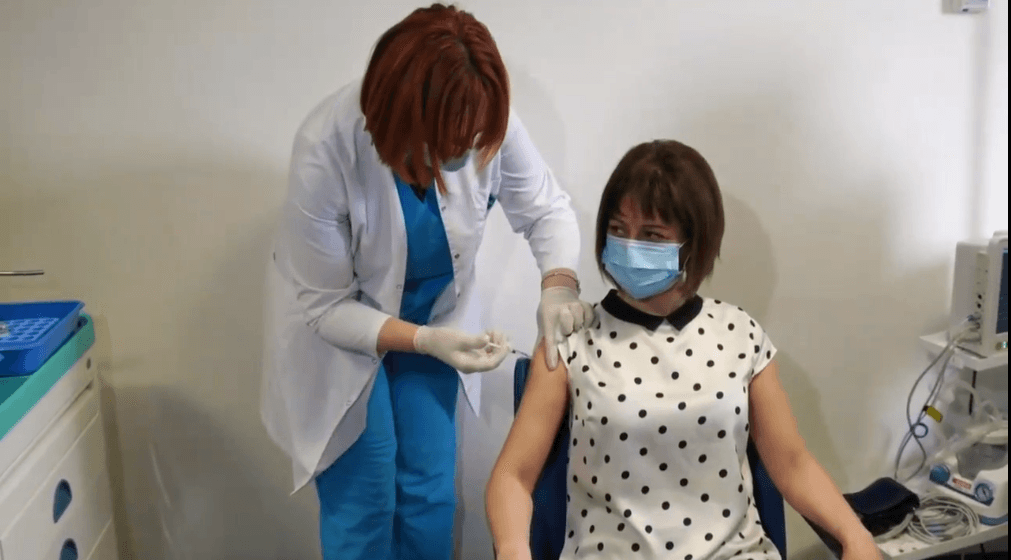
column 560, row 313
column 465, row 352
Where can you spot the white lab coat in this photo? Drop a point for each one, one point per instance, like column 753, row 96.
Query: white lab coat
column 338, row 268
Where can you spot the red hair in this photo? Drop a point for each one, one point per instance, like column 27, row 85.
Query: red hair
column 435, row 86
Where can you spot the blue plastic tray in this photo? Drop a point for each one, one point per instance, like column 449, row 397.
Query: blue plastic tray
column 34, row 331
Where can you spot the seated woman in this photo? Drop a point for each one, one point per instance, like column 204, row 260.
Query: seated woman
column 666, row 387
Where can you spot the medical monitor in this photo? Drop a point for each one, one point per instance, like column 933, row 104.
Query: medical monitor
column 979, row 294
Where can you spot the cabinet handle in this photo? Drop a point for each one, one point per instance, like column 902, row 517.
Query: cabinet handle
column 61, row 500
column 21, row 272
column 69, row 550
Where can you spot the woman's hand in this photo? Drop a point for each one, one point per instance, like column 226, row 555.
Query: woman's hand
column 561, row 313
column 861, row 548
column 466, row 353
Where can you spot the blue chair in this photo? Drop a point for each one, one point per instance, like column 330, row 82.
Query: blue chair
column 547, row 528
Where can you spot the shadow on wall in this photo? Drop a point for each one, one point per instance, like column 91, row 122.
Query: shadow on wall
column 170, row 259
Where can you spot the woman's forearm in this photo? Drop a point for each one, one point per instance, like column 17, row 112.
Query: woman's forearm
column 509, row 507
column 396, row 335
column 810, row 490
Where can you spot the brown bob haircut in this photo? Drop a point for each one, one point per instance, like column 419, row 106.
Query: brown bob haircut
column 435, row 86
column 672, row 182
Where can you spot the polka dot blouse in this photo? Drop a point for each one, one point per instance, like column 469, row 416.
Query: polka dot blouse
column 659, row 418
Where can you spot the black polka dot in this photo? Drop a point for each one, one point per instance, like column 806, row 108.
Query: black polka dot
column 571, row 534
column 586, row 369
column 687, row 521
column 617, row 364
column 757, row 349
column 670, row 339
column 600, row 546
column 593, row 480
column 697, row 387
column 583, row 513
column 601, row 384
column 575, row 478
column 654, row 360
column 638, row 380
column 682, row 405
column 607, row 497
column 628, row 513
column 623, row 436
column 614, row 334
column 589, row 405
column 663, row 466
column 659, row 395
column 684, row 482
column 702, row 420
column 621, row 527
column 645, row 490
column 670, row 545
column 705, row 498
column 643, row 452
column 710, row 363
column 730, row 326
column 635, row 547
column 682, row 444
column 577, row 391
column 742, row 356
column 702, row 331
column 589, row 342
column 675, row 375
column 737, row 410
column 722, row 434
column 598, row 353
column 702, row 458
column 709, row 536
column 719, row 347
column 607, row 458
column 752, row 323
column 719, row 395
column 726, row 513
column 662, row 429
column 688, row 557
column 591, row 442
column 665, row 505
column 642, row 413
column 624, row 475
column 733, row 375
column 740, row 488
column 603, row 421
column 768, row 354
column 723, row 473
column 633, row 346
column 689, row 353
column 621, row 398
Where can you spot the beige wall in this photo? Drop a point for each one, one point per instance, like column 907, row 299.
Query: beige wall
column 143, row 149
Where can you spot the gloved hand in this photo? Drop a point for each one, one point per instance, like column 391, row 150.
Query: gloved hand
column 560, row 313
column 465, row 352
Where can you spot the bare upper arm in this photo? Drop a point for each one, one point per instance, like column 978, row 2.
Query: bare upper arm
column 773, row 426
column 537, row 421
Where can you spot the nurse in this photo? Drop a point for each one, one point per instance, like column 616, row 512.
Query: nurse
column 370, row 292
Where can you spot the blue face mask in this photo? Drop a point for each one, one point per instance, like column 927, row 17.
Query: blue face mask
column 642, row 269
column 456, row 164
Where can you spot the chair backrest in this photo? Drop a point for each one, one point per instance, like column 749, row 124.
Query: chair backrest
column 547, row 528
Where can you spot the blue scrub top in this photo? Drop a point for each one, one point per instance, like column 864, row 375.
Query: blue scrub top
column 429, row 263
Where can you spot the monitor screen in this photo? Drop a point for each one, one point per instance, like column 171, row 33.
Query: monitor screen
column 1002, row 300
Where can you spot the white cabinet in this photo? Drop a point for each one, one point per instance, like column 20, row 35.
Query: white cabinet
column 55, row 499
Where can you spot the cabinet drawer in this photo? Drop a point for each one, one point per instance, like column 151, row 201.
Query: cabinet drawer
column 27, row 476
column 83, row 532
column 73, row 500
column 107, row 548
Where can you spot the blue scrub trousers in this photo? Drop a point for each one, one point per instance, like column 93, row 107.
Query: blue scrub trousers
column 392, row 495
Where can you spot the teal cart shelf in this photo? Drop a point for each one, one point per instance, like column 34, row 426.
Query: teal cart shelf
column 19, row 394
